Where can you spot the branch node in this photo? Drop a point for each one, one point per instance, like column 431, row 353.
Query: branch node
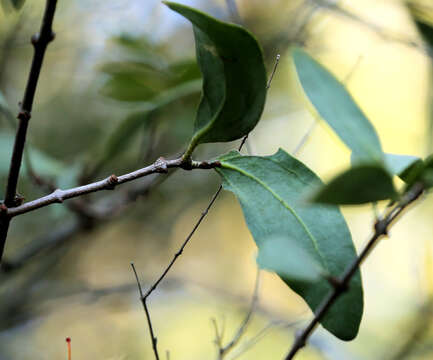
column 300, row 340
column 112, row 181
column 18, row 200
column 35, row 39
column 337, row 284
column 58, row 195
column 24, row 115
column 380, row 227
column 52, row 36
column 161, row 165
column 3, row 208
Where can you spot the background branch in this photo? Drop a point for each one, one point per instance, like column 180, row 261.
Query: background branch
column 340, row 286
column 40, row 42
column 58, row 196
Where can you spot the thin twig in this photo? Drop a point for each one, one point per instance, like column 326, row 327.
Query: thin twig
column 377, row 29
column 40, row 42
column 223, row 350
column 247, row 345
column 413, row 336
column 234, row 12
column 203, row 214
column 146, row 311
column 58, row 196
column 304, row 138
column 340, row 286
column 100, row 212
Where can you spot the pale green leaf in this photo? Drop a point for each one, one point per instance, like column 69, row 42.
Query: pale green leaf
column 337, row 107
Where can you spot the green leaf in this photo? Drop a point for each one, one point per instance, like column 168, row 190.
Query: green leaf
column 6, row 111
column 270, row 190
column 301, row 267
column 234, row 79
column 134, row 81
column 337, row 107
column 42, row 163
column 423, row 18
column 399, row 164
column 15, row 4
column 359, row 185
column 122, row 136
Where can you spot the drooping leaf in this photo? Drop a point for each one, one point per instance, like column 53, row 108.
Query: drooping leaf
column 270, row 190
column 42, row 163
column 301, row 267
column 234, row 78
column 337, row 107
column 359, row 185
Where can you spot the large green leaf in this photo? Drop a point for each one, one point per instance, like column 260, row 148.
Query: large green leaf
column 359, row 185
column 234, row 78
column 270, row 190
column 337, row 107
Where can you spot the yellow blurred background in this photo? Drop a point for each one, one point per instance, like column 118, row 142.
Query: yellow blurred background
column 90, row 294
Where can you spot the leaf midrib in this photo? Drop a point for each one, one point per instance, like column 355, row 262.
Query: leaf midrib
column 282, row 201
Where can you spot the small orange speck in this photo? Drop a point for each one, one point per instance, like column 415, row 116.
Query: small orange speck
column 68, row 340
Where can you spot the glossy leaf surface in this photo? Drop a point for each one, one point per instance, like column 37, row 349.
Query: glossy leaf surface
column 234, row 78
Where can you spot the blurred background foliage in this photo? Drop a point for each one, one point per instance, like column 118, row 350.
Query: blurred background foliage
column 119, row 88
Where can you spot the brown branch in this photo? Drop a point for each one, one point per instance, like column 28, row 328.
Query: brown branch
column 99, row 213
column 146, row 311
column 40, row 42
column 203, row 214
column 340, row 286
column 58, row 196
